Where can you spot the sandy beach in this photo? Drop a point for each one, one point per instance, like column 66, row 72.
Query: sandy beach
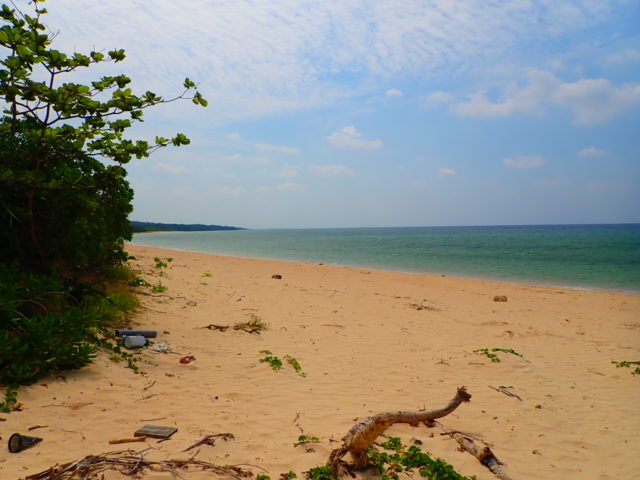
column 368, row 341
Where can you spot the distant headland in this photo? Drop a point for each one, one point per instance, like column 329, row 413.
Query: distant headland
column 141, row 227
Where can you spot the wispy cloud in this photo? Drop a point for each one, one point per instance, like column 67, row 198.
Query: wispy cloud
column 233, row 136
column 254, row 57
column 446, row 172
column 437, row 98
column 592, row 101
column 330, row 170
column 393, row 92
column 173, row 169
column 592, row 152
column 265, row 147
column 350, row 137
column 524, row 161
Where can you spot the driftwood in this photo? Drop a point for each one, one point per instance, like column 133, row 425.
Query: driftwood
column 131, row 464
column 358, row 440
column 483, row 454
column 210, row 440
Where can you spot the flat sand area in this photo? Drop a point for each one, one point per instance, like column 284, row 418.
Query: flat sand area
column 369, row 341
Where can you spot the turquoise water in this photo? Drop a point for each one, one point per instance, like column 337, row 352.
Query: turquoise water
column 583, row 256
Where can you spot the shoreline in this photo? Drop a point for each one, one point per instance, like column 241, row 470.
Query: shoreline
column 369, row 341
column 407, row 272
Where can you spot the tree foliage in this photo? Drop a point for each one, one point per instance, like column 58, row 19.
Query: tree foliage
column 64, row 196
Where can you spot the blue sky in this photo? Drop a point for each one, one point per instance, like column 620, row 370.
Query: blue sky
column 379, row 113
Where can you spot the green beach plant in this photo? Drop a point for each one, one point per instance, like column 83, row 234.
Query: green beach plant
column 628, row 364
column 305, row 440
column 493, row 356
column 403, row 459
column 271, row 359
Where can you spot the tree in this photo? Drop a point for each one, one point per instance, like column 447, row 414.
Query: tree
column 64, row 197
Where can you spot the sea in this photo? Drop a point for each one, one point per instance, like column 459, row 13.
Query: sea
column 578, row 256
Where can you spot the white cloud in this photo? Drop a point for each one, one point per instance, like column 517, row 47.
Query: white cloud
column 173, row 169
column 437, row 98
column 393, row 92
column 231, row 190
column 524, row 161
column 255, row 58
column 350, row 137
column 290, row 186
column 265, row 147
column 233, row 136
column 446, row 172
column 592, row 101
column 330, row 170
column 592, row 152
column 596, row 100
column 287, row 171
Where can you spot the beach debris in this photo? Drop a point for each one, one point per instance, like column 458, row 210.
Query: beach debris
column 131, row 463
column 421, row 306
column 484, row 454
column 361, row 436
column 35, row 427
column 144, row 333
column 220, row 328
column 187, row 359
column 18, row 443
column 211, row 440
column 127, row 440
column 155, row 431
column 254, row 325
column 161, row 348
column 277, row 276
column 134, row 341
column 506, row 391
column 500, row 298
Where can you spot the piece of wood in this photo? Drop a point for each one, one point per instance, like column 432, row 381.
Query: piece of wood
column 155, row 431
column 361, row 436
column 483, row 454
column 210, row 440
column 127, row 440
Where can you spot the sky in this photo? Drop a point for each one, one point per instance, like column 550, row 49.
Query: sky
column 370, row 113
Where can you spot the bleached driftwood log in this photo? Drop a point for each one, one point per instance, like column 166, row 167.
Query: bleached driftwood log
column 358, row 440
column 484, row 454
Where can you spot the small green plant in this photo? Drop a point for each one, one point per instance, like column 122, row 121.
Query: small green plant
column 627, row 364
column 494, row 357
column 289, row 475
column 406, row 459
column 321, row 473
column 160, row 263
column 305, row 440
column 260, row 476
column 271, row 359
column 295, row 364
column 207, row 274
column 158, row 288
column 276, row 363
column 10, row 399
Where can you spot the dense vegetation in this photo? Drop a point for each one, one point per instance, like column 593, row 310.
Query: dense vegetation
column 64, row 199
column 139, row 227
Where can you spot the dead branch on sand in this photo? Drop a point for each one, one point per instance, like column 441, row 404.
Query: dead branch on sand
column 483, row 454
column 358, row 440
column 92, row 466
column 210, row 440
